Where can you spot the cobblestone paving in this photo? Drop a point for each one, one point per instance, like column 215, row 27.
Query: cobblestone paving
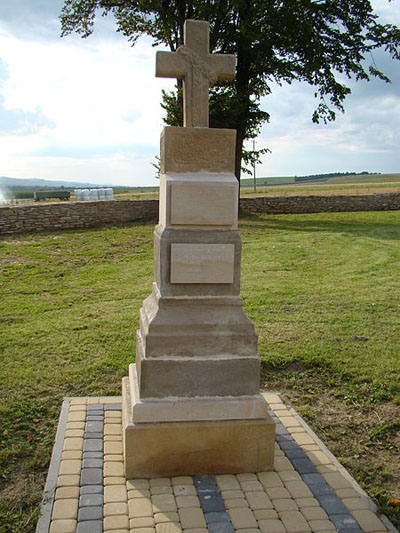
column 307, row 491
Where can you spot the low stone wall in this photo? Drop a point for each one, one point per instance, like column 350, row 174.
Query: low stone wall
column 70, row 215
column 320, row 204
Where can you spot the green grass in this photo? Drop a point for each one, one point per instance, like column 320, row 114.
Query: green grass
column 322, row 289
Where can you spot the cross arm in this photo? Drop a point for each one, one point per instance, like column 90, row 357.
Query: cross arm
column 224, row 66
column 170, row 65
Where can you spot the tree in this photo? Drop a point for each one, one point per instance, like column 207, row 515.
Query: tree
column 321, row 42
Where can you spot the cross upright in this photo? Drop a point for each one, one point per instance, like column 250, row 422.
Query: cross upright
column 198, row 69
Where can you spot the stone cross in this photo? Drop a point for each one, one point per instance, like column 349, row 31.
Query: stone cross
column 199, row 70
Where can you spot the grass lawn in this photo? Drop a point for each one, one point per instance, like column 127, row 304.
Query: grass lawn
column 323, row 290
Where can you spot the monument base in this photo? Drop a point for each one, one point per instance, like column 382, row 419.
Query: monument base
column 194, row 447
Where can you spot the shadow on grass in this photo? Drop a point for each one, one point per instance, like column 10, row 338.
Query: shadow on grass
column 362, row 224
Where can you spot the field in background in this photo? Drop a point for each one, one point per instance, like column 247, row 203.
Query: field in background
column 322, row 289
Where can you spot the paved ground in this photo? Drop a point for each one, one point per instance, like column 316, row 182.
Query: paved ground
column 86, row 491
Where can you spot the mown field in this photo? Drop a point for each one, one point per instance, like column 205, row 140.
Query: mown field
column 322, row 289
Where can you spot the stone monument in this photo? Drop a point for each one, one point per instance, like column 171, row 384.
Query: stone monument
column 191, row 403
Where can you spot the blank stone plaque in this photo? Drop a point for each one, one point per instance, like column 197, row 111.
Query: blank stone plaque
column 202, row 263
column 203, row 204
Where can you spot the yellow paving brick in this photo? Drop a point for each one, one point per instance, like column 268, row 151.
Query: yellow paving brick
column 272, row 397
column 258, row 500
column 115, row 493
column 113, row 447
column 140, row 507
column 348, row 493
column 246, row 476
column 196, row 530
column 68, row 481
column 74, row 433
column 139, row 493
column 71, row 454
column 286, row 504
column 306, row 502
column 77, row 416
column 303, row 438
column 76, row 425
column 251, row 486
column 310, row 447
column 77, row 407
column 227, row 482
column 132, row 484
column 112, row 414
column 231, row 494
column 355, row 504
column 111, row 509
column 281, row 464
column 191, row 517
column 115, row 458
column 185, row 490
column 168, row 527
column 271, row 526
column 265, row 514
column 314, row 513
column 277, row 493
column 160, row 482
column 248, row 530
column 65, row 493
column 289, row 475
column 65, row 509
column 166, row 517
column 111, row 468
column 322, row 469
column 298, row 489
column 116, row 480
column 294, row 522
column 112, row 438
column 297, row 429
column 70, row 466
column 242, row 518
column 73, row 443
column 337, row 481
column 63, row 526
column 187, row 501
column 112, row 429
column 78, row 401
column 368, row 521
column 124, row 530
column 120, row 521
column 93, row 400
column 182, row 480
column 163, row 503
column 279, row 453
column 319, row 458
column 290, row 421
column 282, row 412
column 321, row 525
column 270, row 479
column 144, row 521
column 236, row 503
column 143, row 530
column 162, row 490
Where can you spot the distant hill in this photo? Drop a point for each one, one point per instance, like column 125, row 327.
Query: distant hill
column 14, row 183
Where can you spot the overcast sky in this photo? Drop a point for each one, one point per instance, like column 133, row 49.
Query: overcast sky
column 89, row 109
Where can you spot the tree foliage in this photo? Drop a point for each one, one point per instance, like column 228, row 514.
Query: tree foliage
column 321, row 42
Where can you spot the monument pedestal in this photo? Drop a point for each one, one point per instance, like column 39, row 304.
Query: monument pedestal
column 191, row 403
column 175, row 448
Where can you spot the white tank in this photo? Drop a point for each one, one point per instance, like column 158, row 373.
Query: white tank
column 93, row 194
column 85, row 194
column 102, row 194
column 109, row 193
column 78, row 195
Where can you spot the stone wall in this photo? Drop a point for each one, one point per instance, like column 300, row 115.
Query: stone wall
column 320, row 204
column 70, row 215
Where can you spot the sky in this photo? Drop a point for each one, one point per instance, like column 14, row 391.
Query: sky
column 88, row 110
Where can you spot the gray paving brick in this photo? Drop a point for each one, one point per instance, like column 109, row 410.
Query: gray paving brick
column 94, row 426
column 91, row 489
column 322, row 489
column 205, row 483
column 92, row 463
column 344, row 522
column 93, row 435
column 219, row 516
column 94, row 512
column 287, row 444
column 88, row 500
column 113, row 407
column 92, row 455
column 313, row 479
column 95, row 407
column 331, row 504
column 220, row 527
column 95, row 418
column 211, row 502
column 93, row 445
column 303, row 466
column 91, row 476
column 91, row 526
column 295, row 453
